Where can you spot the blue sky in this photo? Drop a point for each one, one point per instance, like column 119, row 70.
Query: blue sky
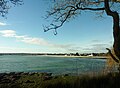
column 22, row 31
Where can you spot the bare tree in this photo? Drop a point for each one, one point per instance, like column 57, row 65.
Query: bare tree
column 63, row 10
column 5, row 5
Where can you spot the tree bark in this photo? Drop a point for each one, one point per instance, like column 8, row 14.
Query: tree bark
column 116, row 34
column 116, row 28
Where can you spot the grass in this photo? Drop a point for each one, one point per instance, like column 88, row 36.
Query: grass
column 111, row 80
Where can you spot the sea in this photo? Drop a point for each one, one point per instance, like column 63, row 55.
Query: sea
column 50, row 64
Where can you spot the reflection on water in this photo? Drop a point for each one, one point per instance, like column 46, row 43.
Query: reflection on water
column 55, row 65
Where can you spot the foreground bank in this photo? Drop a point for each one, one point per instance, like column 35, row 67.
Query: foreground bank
column 46, row 80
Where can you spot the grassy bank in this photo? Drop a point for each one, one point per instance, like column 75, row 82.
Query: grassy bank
column 44, row 80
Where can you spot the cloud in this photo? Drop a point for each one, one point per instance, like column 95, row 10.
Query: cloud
column 8, row 33
column 95, row 41
column 24, row 38
column 95, row 46
column 34, row 40
column 2, row 24
column 6, row 49
column 100, row 47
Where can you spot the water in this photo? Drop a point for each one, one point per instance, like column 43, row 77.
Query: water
column 55, row 65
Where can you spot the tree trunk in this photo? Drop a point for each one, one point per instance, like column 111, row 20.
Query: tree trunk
column 116, row 34
column 116, row 28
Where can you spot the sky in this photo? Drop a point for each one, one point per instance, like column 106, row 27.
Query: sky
column 22, row 31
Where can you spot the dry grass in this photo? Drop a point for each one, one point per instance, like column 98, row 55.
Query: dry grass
column 111, row 80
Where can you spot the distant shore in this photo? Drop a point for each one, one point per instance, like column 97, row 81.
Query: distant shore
column 97, row 57
column 55, row 55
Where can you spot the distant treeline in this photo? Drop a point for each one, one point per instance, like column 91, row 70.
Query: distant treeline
column 68, row 54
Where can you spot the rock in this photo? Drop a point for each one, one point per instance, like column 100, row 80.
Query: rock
column 13, row 79
column 31, row 73
column 12, row 73
column 19, row 73
column 2, row 74
column 5, row 81
column 46, row 74
column 66, row 74
column 47, row 78
column 28, row 81
column 25, row 73
column 55, row 77
column 43, row 74
column 49, row 74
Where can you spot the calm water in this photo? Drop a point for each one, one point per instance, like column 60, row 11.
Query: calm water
column 56, row 65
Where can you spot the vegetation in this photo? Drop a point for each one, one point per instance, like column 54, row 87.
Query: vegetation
column 40, row 80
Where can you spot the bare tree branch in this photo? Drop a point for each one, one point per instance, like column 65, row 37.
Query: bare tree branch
column 113, row 57
column 5, row 5
column 65, row 12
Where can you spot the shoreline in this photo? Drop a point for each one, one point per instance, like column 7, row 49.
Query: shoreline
column 91, row 57
column 64, row 56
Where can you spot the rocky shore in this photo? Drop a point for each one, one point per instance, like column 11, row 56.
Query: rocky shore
column 13, row 76
column 46, row 80
column 21, row 79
